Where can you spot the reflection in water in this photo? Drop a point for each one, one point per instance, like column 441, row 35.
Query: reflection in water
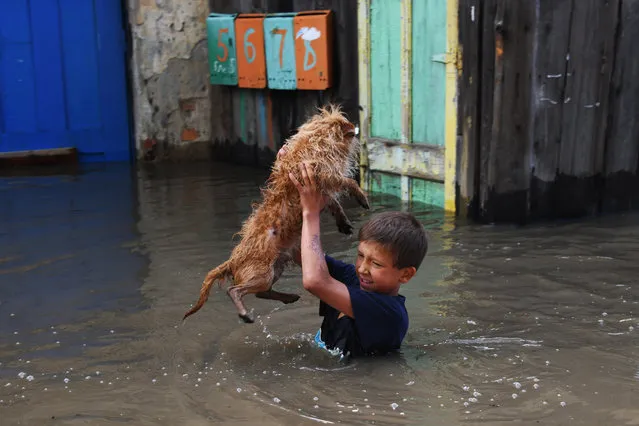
column 535, row 325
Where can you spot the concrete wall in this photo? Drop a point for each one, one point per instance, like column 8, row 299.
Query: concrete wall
column 169, row 67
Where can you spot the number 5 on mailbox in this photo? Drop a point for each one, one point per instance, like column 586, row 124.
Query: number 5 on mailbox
column 220, row 29
column 280, row 51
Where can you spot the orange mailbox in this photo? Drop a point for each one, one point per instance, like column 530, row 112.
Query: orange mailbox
column 313, row 49
column 251, row 63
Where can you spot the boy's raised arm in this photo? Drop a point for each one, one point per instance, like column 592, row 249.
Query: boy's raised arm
column 315, row 275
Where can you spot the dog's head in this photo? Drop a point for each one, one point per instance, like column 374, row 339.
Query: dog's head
column 334, row 128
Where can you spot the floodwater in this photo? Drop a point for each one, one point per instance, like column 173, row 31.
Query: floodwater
column 535, row 325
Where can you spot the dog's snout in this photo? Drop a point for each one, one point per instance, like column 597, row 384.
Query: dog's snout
column 349, row 130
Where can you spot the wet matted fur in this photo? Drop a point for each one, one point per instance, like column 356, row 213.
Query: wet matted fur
column 327, row 141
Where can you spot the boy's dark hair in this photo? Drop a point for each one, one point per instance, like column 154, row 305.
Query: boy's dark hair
column 400, row 233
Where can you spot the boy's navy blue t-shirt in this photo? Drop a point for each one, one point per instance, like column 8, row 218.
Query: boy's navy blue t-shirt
column 380, row 322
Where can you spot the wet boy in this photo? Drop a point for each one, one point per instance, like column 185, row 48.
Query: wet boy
column 364, row 314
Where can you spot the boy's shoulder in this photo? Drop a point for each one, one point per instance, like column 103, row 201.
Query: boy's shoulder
column 381, row 320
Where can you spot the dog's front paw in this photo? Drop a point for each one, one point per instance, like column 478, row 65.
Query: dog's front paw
column 345, row 227
column 362, row 200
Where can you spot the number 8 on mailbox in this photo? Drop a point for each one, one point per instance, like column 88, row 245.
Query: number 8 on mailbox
column 313, row 41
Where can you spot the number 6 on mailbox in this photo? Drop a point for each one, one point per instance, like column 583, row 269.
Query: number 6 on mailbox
column 251, row 65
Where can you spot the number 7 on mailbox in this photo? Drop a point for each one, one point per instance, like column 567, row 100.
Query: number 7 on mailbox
column 280, row 51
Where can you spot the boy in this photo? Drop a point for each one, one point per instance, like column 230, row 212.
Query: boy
column 364, row 314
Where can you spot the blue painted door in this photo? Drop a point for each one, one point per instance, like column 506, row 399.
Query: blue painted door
column 63, row 78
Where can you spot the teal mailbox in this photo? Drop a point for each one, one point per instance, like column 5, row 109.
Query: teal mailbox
column 279, row 43
column 220, row 28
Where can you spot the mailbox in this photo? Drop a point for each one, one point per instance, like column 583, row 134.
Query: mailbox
column 313, row 49
column 220, row 30
column 279, row 43
column 251, row 63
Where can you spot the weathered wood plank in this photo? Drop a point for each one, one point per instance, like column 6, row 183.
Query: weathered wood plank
column 487, row 76
column 429, row 71
column 386, row 186
column 406, row 76
column 585, row 109
column 551, row 68
column 622, row 143
column 420, row 161
column 470, row 28
column 18, row 159
column 427, row 192
column 506, row 162
column 385, row 70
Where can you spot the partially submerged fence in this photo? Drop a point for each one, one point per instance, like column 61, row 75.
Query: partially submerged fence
column 548, row 108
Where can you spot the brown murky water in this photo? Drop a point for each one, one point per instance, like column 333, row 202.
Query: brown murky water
column 538, row 325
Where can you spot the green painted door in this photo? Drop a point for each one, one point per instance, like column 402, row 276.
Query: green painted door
column 407, row 81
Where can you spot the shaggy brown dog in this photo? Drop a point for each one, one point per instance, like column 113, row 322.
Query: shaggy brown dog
column 274, row 227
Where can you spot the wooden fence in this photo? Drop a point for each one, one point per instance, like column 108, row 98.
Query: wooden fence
column 548, row 108
column 250, row 125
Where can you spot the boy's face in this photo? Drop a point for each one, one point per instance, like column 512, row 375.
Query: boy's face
column 376, row 272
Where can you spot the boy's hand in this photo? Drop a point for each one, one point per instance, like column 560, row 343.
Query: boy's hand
column 282, row 151
column 311, row 198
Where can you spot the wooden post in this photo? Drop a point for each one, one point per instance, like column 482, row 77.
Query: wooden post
column 622, row 141
column 470, row 17
column 551, row 69
column 585, row 109
column 506, row 109
column 406, row 77
column 452, row 69
column 364, row 56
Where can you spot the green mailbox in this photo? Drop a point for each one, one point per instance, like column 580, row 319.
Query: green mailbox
column 220, row 28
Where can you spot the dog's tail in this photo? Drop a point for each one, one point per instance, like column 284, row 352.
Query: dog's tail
column 219, row 273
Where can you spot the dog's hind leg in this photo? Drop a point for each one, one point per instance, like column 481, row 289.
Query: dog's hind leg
column 236, row 293
column 278, row 269
column 344, row 225
column 260, row 284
